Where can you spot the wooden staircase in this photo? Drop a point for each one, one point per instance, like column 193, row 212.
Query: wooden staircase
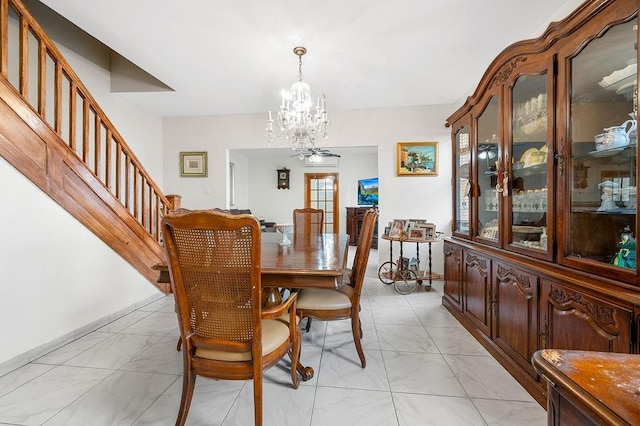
column 55, row 133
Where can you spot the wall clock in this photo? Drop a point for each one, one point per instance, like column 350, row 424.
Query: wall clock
column 283, row 178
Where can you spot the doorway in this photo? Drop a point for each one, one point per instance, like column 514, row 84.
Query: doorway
column 321, row 192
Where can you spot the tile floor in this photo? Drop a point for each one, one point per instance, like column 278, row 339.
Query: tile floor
column 423, row 368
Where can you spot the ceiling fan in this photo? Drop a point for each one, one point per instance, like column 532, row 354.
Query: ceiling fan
column 315, row 154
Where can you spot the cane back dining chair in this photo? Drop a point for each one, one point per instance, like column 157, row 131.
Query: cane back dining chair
column 327, row 304
column 308, row 221
column 214, row 264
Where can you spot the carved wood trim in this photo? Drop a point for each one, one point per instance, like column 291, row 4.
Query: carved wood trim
column 477, row 263
column 453, row 252
column 554, row 32
column 603, row 315
column 522, row 281
column 507, row 69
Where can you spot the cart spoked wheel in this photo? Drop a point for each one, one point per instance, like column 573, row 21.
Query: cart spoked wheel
column 387, row 272
column 406, row 282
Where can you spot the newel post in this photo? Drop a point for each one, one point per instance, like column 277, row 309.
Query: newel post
column 174, row 200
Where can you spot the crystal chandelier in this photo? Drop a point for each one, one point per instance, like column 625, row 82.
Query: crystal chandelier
column 295, row 121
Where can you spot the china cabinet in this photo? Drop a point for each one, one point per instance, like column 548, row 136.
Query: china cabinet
column 543, row 249
column 355, row 216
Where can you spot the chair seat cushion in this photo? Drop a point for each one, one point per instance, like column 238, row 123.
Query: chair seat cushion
column 325, row 298
column 274, row 334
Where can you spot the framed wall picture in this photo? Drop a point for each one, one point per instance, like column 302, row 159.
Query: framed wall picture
column 193, row 164
column 417, row 159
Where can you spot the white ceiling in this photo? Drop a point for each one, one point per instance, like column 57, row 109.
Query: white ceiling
column 234, row 57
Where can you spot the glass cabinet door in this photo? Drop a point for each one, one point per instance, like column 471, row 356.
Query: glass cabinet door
column 601, row 171
column 462, row 183
column 529, row 166
column 487, row 161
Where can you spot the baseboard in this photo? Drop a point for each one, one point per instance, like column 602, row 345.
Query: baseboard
column 35, row 353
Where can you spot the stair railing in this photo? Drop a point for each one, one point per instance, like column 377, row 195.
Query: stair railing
column 37, row 70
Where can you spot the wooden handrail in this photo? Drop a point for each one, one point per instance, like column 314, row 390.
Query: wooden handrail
column 46, row 81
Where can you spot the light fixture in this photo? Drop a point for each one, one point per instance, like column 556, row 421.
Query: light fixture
column 295, row 121
column 315, row 158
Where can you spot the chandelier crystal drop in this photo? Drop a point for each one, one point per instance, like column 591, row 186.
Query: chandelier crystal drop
column 295, row 121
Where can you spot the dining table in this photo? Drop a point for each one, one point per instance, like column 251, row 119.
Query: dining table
column 308, row 261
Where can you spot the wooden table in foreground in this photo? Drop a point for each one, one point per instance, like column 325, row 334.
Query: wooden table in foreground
column 590, row 388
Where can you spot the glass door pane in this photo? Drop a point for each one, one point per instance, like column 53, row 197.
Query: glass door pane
column 463, row 182
column 488, row 197
column 603, row 135
column 529, row 149
column 321, row 193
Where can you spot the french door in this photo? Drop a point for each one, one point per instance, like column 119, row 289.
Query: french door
column 321, row 192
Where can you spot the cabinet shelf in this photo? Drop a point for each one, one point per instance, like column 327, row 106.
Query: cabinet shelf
column 618, row 211
column 536, row 169
column 628, row 150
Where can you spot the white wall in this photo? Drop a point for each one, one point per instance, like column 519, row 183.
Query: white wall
column 276, row 205
column 56, row 275
column 400, row 197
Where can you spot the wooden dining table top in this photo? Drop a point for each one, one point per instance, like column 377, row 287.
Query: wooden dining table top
column 309, row 261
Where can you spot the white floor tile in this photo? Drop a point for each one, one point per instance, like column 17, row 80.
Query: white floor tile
column 421, row 373
column 423, row 368
column 353, row 407
column 511, row 413
column 341, row 368
column 484, row 377
column 433, row 410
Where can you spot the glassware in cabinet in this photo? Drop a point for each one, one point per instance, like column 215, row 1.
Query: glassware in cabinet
column 602, row 154
column 487, row 169
column 529, row 153
column 463, row 183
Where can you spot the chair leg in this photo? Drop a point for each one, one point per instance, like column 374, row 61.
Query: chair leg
column 257, row 396
column 188, row 384
column 295, row 358
column 356, row 329
column 179, row 344
column 308, row 324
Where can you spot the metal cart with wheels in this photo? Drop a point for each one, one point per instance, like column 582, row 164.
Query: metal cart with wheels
column 404, row 274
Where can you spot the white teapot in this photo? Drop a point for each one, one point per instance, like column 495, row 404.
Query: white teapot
column 618, row 136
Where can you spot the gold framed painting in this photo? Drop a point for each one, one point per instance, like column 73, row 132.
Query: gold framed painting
column 417, row 159
column 193, row 164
